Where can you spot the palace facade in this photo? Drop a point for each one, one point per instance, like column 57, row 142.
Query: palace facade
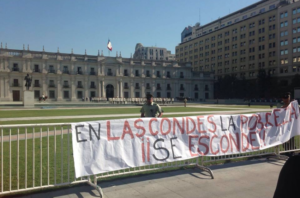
column 72, row 77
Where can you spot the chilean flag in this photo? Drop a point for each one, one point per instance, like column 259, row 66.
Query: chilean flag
column 109, row 45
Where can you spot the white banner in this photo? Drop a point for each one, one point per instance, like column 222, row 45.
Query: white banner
column 109, row 145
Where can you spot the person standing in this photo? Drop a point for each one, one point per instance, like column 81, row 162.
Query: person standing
column 185, row 100
column 151, row 109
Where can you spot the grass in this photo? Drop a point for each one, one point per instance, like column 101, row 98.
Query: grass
column 37, row 158
column 247, row 107
column 93, row 111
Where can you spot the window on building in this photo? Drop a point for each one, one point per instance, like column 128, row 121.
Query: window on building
column 36, row 68
column 51, row 94
column 66, row 94
column 137, row 94
column 36, row 83
column 66, row 84
column 168, row 74
column 147, row 73
column 65, row 70
column 79, row 95
column 137, row 86
column 51, row 83
column 158, row 74
column 37, row 94
column 125, row 72
column 15, row 67
column 272, row 7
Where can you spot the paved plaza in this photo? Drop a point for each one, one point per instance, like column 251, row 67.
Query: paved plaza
column 249, row 179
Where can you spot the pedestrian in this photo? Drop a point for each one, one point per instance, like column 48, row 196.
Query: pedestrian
column 185, row 100
column 151, row 109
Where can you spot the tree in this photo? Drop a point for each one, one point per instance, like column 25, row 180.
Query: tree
column 294, row 84
column 295, row 81
column 262, row 83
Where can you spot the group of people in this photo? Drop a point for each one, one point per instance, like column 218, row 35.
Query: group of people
column 43, row 98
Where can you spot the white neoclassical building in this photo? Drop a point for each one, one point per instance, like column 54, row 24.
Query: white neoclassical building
column 71, row 77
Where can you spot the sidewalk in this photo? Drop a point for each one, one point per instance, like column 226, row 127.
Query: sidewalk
column 249, row 179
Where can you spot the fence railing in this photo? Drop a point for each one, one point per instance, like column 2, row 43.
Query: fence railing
column 37, row 156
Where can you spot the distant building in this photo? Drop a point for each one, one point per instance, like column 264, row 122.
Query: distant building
column 262, row 36
column 152, row 53
column 186, row 34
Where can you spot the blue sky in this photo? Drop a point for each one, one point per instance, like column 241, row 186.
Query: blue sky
column 87, row 24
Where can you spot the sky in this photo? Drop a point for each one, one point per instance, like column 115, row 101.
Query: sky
column 88, row 24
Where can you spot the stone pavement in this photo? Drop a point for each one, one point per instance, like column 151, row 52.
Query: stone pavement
column 249, row 179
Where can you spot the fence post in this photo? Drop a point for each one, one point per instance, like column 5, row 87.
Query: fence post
column 204, row 168
column 98, row 188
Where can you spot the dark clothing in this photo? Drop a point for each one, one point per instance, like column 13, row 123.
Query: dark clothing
column 288, row 181
column 28, row 80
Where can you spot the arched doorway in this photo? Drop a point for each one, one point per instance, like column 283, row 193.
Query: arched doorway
column 109, row 91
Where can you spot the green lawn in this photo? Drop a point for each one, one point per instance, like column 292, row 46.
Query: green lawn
column 246, row 106
column 59, row 160
column 94, row 111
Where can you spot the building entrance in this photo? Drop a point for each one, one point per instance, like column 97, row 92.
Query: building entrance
column 109, row 91
column 16, row 95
